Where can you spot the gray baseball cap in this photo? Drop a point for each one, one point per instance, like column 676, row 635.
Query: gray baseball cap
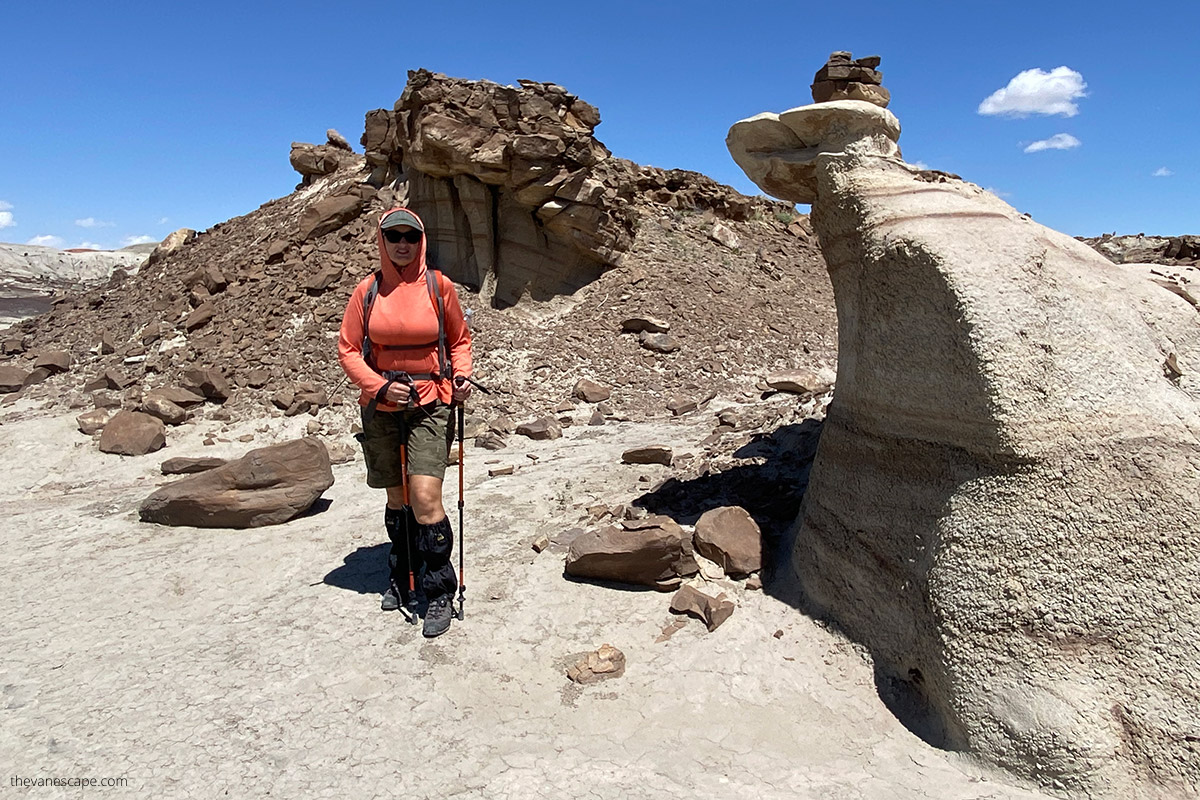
column 401, row 217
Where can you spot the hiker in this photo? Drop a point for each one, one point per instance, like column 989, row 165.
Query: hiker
column 405, row 344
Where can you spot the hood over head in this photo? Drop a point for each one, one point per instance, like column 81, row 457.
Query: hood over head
column 414, row 271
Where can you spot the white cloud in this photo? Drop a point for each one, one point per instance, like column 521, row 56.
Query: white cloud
column 92, row 222
column 997, row 192
column 90, row 246
column 6, row 219
column 164, row 220
column 132, row 240
column 1035, row 91
column 1059, row 141
column 1161, row 172
column 47, row 240
column 919, row 164
column 5, row 206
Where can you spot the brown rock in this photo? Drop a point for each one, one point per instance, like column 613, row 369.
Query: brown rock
column 185, row 398
column 490, row 441
column 607, row 662
column 649, row 454
column 730, row 537
column 798, row 381
column 267, row 486
column 654, row 555
column 647, row 324
column 591, row 392
column 132, row 433
column 208, row 382
column 678, row 406
column 540, row 544
column 37, row 376
column 658, row 342
column 200, row 317
column 541, row 428
column 711, row 610
column 53, row 360
column 597, row 417
column 326, row 216
column 12, row 379
column 162, row 408
column 92, row 421
column 190, row 466
column 498, row 471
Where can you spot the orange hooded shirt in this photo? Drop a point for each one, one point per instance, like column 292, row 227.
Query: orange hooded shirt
column 403, row 315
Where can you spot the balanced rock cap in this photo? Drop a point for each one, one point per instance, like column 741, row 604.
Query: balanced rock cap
column 401, row 217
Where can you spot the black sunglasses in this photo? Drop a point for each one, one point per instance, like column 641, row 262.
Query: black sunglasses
column 395, row 237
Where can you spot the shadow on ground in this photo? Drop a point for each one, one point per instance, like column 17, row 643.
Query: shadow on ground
column 364, row 571
column 771, row 491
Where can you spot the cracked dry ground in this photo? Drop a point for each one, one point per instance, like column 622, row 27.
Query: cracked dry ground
column 205, row 663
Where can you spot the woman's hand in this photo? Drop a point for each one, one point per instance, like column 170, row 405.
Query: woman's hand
column 462, row 390
column 397, row 393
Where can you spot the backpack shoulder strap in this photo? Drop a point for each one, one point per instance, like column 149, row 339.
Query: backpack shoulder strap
column 433, row 280
column 368, row 301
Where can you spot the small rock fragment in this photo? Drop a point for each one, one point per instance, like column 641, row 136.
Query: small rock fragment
column 649, row 454
column 607, row 662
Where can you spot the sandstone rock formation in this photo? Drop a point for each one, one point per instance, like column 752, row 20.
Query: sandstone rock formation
column 844, row 78
column 267, row 486
column 132, row 433
column 516, row 193
column 1005, row 498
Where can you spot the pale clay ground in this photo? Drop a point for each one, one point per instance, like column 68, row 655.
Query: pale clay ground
column 213, row 663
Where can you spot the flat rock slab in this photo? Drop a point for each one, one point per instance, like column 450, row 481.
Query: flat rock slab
column 190, row 466
column 132, row 433
column 650, row 454
column 652, row 552
column 267, row 486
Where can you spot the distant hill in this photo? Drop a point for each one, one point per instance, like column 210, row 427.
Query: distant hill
column 30, row 275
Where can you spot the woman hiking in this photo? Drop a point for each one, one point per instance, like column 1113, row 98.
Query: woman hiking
column 405, row 344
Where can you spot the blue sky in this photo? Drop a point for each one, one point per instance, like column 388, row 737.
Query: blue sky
column 124, row 121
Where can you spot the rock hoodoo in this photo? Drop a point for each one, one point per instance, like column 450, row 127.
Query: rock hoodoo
column 516, row 193
column 1005, row 498
column 844, row 78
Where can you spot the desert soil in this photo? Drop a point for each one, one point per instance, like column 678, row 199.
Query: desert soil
column 197, row 662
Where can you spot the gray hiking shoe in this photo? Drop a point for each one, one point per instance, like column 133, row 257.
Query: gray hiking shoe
column 437, row 618
column 391, row 599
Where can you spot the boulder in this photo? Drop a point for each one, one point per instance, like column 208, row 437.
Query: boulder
column 267, row 486
column 648, row 454
column 12, row 378
column 650, row 552
column 590, row 391
column 729, row 536
column 326, row 216
column 54, row 360
column 1004, row 503
column 658, row 342
column 723, row 234
column 207, row 382
column 132, row 433
column 93, row 421
column 712, row 611
column 540, row 428
column 174, row 242
column 162, row 408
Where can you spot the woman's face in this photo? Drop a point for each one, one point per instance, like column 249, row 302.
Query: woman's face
column 402, row 252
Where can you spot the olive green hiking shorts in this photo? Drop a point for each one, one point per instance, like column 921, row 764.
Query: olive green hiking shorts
column 429, row 435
